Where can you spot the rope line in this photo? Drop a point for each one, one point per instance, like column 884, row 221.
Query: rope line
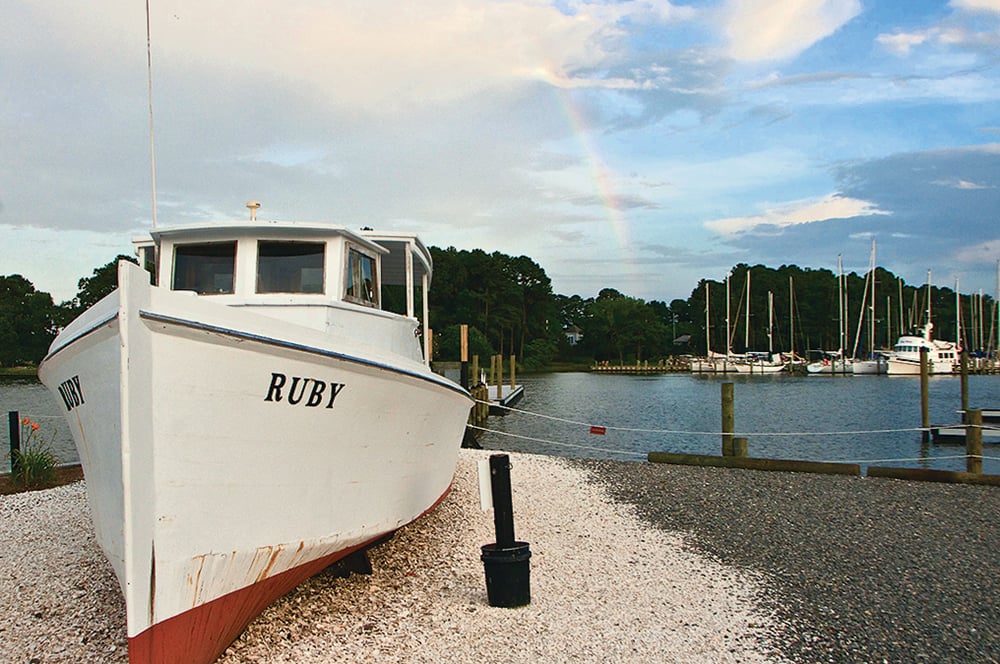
column 704, row 433
column 558, row 444
column 643, row 456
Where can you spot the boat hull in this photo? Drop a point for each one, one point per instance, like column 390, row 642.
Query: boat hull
column 911, row 367
column 229, row 455
column 869, row 367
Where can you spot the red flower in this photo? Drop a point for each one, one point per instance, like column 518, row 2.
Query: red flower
column 34, row 426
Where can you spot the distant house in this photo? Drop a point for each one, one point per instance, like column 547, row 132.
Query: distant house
column 682, row 340
column 573, row 334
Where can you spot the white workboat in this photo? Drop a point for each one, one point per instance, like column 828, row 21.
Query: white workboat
column 251, row 418
column 942, row 356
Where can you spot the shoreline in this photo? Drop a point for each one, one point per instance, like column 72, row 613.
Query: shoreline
column 604, row 587
column 630, row 561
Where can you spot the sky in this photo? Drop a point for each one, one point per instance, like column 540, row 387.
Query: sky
column 639, row 145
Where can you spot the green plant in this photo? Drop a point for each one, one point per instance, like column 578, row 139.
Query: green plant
column 33, row 464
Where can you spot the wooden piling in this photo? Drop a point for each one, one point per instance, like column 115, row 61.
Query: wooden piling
column 499, row 377
column 964, row 368
column 925, row 409
column 465, row 356
column 728, row 419
column 974, row 441
column 740, row 447
column 513, row 371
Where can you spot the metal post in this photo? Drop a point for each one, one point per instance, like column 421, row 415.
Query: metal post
column 14, row 422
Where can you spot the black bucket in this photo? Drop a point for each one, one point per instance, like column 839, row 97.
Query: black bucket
column 508, row 572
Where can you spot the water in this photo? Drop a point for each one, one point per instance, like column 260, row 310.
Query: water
column 800, row 405
column 32, row 399
column 804, row 406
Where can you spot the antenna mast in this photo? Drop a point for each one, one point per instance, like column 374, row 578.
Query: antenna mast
column 149, row 80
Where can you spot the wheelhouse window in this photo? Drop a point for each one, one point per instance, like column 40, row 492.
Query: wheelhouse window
column 290, row 267
column 207, row 268
column 362, row 286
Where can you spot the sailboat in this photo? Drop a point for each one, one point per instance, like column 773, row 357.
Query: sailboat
column 834, row 361
column 875, row 363
column 759, row 362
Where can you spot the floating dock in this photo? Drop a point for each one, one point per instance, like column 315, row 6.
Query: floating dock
column 508, row 396
column 955, row 433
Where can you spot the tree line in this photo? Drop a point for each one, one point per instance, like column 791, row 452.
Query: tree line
column 510, row 308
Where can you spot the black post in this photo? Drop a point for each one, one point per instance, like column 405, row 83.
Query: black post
column 503, row 506
column 506, row 562
column 14, row 421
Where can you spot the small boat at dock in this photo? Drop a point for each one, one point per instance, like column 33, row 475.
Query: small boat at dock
column 260, row 410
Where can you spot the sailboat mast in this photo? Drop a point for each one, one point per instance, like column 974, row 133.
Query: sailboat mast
column 729, row 338
column 770, row 321
column 791, row 317
column 708, row 328
column 958, row 316
column 928, row 296
column 746, row 333
column 840, row 298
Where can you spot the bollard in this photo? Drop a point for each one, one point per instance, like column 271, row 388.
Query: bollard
column 974, row 442
column 925, row 408
column 507, row 561
column 14, row 422
column 728, row 419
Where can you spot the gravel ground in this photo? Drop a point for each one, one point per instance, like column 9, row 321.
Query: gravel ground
column 604, row 587
column 858, row 570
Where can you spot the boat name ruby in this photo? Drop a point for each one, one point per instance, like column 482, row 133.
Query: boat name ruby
column 71, row 393
column 316, row 395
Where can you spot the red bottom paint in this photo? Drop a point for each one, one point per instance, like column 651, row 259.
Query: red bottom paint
column 200, row 635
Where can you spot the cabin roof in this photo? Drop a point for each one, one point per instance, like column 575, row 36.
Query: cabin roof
column 260, row 228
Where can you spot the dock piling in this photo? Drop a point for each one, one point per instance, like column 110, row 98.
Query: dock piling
column 964, row 368
column 974, row 441
column 728, row 418
column 925, row 410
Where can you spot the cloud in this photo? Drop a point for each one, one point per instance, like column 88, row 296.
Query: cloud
column 981, row 253
column 761, row 30
column 977, row 5
column 794, row 213
column 959, row 184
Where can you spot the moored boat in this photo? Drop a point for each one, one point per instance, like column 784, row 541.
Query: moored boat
column 831, row 361
column 254, row 414
column 942, row 356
